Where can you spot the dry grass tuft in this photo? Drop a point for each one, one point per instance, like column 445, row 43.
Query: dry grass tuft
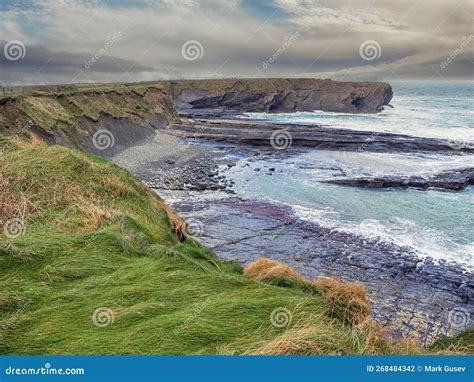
column 265, row 270
column 376, row 340
column 177, row 223
column 349, row 300
column 32, row 141
column 293, row 342
column 311, row 336
column 36, row 141
column 96, row 215
column 11, row 205
column 115, row 186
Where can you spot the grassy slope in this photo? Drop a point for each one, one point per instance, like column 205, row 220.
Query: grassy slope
column 219, row 85
column 466, row 340
column 52, row 108
column 97, row 237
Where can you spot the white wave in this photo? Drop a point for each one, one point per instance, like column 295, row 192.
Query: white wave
column 427, row 122
column 424, row 241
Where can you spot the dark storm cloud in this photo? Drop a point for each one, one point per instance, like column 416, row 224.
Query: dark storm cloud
column 37, row 63
column 412, row 39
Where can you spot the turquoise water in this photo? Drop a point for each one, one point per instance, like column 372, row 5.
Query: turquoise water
column 439, row 224
column 440, row 110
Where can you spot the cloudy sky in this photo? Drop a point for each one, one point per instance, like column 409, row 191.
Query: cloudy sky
column 63, row 41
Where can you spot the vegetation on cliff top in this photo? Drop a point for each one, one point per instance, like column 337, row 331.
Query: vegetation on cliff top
column 50, row 108
column 94, row 262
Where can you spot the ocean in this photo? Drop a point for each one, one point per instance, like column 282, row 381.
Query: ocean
column 438, row 224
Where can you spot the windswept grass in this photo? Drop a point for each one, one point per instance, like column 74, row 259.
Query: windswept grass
column 64, row 109
column 100, row 265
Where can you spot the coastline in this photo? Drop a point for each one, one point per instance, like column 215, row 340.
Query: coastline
column 411, row 296
column 191, row 159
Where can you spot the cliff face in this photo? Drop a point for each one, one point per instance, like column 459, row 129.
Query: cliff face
column 72, row 119
column 70, row 115
column 281, row 95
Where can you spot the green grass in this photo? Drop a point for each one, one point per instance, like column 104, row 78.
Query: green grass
column 464, row 340
column 63, row 108
column 96, row 237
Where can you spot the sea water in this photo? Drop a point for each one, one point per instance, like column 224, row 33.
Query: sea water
column 438, row 224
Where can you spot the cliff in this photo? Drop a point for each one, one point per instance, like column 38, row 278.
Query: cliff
column 281, row 95
column 71, row 117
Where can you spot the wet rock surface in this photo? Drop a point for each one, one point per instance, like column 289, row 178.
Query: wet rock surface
column 412, row 296
column 455, row 180
column 261, row 134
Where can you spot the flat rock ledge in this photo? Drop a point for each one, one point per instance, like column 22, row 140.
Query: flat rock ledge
column 454, row 180
column 415, row 297
column 282, row 137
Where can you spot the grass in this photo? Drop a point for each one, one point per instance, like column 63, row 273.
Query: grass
column 463, row 341
column 55, row 108
column 95, row 239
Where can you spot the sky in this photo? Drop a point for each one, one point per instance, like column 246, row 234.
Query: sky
column 69, row 41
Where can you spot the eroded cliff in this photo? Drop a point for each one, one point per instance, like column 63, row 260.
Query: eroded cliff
column 70, row 115
column 71, row 119
column 281, row 95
